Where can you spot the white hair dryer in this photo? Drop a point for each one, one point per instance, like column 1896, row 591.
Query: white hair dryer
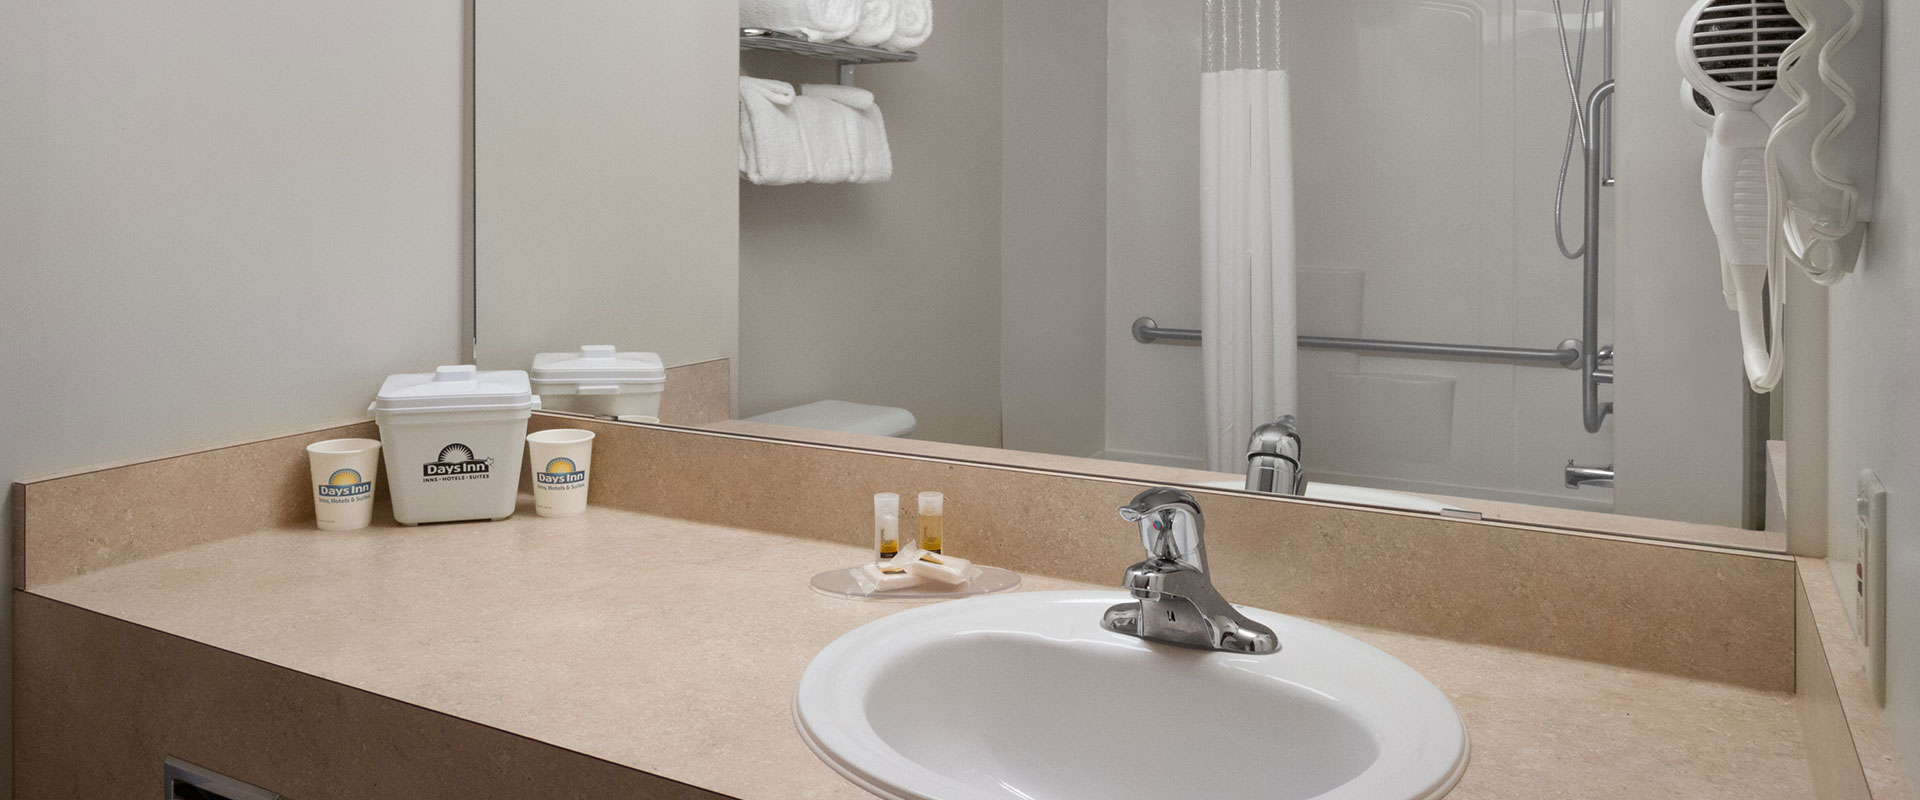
column 1730, row 53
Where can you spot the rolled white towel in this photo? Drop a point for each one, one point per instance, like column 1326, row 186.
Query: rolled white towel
column 912, row 24
column 773, row 151
column 872, row 157
column 818, row 20
column 876, row 24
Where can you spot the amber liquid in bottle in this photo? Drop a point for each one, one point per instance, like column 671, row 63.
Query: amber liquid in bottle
column 886, row 525
column 930, row 532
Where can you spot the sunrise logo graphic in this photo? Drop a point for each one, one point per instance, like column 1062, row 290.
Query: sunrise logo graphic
column 560, row 472
column 456, row 459
column 345, row 483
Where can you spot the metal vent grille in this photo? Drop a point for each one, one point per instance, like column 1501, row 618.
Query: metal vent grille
column 1738, row 42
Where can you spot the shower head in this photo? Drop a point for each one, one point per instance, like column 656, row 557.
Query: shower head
column 1730, row 49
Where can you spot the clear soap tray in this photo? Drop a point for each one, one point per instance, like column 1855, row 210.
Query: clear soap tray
column 848, row 583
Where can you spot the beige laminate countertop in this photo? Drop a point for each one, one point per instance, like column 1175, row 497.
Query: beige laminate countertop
column 673, row 647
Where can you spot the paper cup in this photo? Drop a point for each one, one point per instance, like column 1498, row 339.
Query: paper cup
column 343, row 473
column 560, row 459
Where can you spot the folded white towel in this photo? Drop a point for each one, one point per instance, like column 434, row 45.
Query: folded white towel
column 778, row 92
column 873, row 152
column 912, row 24
column 830, row 130
column 773, row 151
column 870, row 156
column 852, row 97
column 876, row 24
column 818, row 20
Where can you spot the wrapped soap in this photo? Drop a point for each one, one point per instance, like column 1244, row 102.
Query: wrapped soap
column 940, row 568
column 890, row 574
column 885, row 577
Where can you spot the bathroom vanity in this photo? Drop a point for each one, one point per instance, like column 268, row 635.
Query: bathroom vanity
column 1640, row 604
column 651, row 647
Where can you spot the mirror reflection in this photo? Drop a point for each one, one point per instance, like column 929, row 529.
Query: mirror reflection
column 1379, row 252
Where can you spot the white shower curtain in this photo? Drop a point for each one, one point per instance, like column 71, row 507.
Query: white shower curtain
column 1248, row 309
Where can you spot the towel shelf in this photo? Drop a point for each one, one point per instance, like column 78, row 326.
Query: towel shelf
column 847, row 55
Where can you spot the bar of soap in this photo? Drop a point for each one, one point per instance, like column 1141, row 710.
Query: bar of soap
column 950, row 570
column 887, row 576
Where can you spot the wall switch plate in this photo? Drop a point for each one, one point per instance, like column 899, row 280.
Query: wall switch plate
column 1870, row 579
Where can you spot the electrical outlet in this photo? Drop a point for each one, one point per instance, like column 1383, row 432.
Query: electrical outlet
column 1870, row 579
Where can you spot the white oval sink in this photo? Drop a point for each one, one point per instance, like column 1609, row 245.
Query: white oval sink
column 1027, row 697
column 1360, row 495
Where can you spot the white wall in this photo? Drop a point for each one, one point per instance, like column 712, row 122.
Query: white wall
column 221, row 219
column 606, row 140
column 1053, row 281
column 1874, row 404
column 888, row 293
column 1680, row 388
column 1155, row 404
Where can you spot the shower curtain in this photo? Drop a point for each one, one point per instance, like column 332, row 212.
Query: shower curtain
column 1248, row 308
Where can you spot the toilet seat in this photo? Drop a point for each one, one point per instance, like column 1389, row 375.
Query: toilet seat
column 840, row 415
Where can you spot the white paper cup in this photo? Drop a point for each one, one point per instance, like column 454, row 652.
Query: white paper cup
column 343, row 473
column 560, row 459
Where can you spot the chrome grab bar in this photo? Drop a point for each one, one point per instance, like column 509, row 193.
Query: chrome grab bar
column 1594, row 363
column 1147, row 331
column 1592, row 375
column 1568, row 354
column 1605, row 373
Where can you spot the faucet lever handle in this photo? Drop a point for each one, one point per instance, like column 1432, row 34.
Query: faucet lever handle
column 1157, row 499
column 1280, row 437
column 1273, row 458
column 1171, row 525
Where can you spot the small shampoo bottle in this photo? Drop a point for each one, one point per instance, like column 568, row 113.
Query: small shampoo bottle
column 886, row 525
column 932, row 510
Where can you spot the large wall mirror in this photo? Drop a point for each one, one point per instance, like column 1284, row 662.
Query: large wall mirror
column 1372, row 216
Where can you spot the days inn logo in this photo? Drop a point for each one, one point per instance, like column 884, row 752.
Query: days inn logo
column 346, row 483
column 456, row 459
column 560, row 472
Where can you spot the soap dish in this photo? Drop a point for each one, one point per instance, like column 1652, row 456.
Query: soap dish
column 845, row 583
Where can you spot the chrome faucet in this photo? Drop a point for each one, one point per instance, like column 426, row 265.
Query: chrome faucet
column 1176, row 602
column 1580, row 477
column 1273, row 458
